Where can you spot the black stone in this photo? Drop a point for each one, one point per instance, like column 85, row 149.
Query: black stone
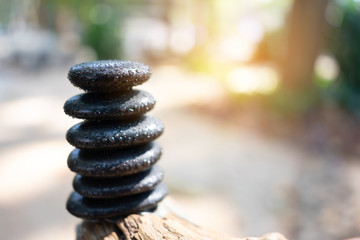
column 116, row 105
column 95, row 208
column 114, row 163
column 112, row 134
column 108, row 75
column 93, row 187
column 115, row 153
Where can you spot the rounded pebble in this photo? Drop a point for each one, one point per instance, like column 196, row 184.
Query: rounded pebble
column 112, row 134
column 93, row 187
column 117, row 105
column 115, row 152
column 95, row 208
column 108, row 75
column 114, row 163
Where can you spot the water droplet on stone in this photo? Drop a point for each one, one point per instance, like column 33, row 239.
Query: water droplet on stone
column 126, row 133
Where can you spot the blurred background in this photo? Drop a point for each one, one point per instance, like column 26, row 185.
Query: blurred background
column 260, row 99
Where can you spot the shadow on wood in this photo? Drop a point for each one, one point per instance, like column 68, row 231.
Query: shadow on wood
column 96, row 230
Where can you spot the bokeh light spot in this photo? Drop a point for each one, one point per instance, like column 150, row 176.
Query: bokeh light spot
column 327, row 68
column 252, row 80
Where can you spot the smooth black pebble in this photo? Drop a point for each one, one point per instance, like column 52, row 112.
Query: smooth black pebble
column 117, row 105
column 117, row 187
column 108, row 75
column 115, row 152
column 114, row 163
column 112, row 134
column 94, row 208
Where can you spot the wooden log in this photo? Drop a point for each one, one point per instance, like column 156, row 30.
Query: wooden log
column 162, row 224
column 98, row 230
column 151, row 227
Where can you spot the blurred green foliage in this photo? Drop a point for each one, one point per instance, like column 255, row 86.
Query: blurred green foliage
column 99, row 23
column 105, row 39
column 343, row 42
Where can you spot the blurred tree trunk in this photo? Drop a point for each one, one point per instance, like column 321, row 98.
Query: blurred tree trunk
column 305, row 33
column 46, row 15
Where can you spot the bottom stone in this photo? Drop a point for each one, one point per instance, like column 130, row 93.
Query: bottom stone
column 94, row 208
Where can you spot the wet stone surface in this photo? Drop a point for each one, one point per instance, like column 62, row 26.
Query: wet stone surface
column 108, row 75
column 94, row 208
column 118, row 186
column 114, row 163
column 115, row 154
column 117, row 105
column 113, row 134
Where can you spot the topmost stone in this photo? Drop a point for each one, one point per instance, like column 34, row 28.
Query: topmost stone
column 108, row 75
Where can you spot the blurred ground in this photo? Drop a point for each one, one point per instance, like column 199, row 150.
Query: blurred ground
column 221, row 174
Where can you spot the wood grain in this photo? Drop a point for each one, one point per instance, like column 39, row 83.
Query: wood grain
column 162, row 224
column 171, row 227
column 99, row 230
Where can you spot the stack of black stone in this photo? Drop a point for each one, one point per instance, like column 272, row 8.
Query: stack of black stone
column 115, row 153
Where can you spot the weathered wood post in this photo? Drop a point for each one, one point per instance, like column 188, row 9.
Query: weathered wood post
column 117, row 184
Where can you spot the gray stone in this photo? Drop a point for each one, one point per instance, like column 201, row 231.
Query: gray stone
column 114, row 163
column 108, row 75
column 114, row 134
column 95, row 208
column 94, row 187
column 116, row 105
